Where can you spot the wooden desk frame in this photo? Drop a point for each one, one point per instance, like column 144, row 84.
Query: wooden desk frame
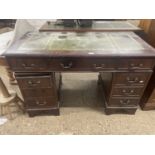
column 38, row 73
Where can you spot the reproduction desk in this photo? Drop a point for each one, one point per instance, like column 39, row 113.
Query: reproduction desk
column 123, row 60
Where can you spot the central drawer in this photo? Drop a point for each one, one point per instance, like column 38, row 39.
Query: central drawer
column 82, row 64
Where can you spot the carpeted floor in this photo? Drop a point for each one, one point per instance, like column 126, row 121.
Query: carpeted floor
column 82, row 112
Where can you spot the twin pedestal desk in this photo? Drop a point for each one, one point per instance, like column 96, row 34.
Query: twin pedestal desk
column 123, row 60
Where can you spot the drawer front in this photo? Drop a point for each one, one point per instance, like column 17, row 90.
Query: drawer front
column 123, row 102
column 28, row 64
column 131, row 78
column 126, row 91
column 43, row 92
column 80, row 64
column 32, row 82
column 136, row 64
column 41, row 102
column 103, row 64
column 61, row 64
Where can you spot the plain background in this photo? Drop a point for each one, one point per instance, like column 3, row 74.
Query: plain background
column 67, row 145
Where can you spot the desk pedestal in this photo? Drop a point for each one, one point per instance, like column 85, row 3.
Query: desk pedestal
column 41, row 92
column 122, row 91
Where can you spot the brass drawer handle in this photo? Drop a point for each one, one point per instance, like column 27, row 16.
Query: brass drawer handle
column 31, row 66
column 136, row 66
column 130, row 92
column 124, row 102
column 31, row 83
column 41, row 103
column 66, row 66
column 102, row 66
column 135, row 80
